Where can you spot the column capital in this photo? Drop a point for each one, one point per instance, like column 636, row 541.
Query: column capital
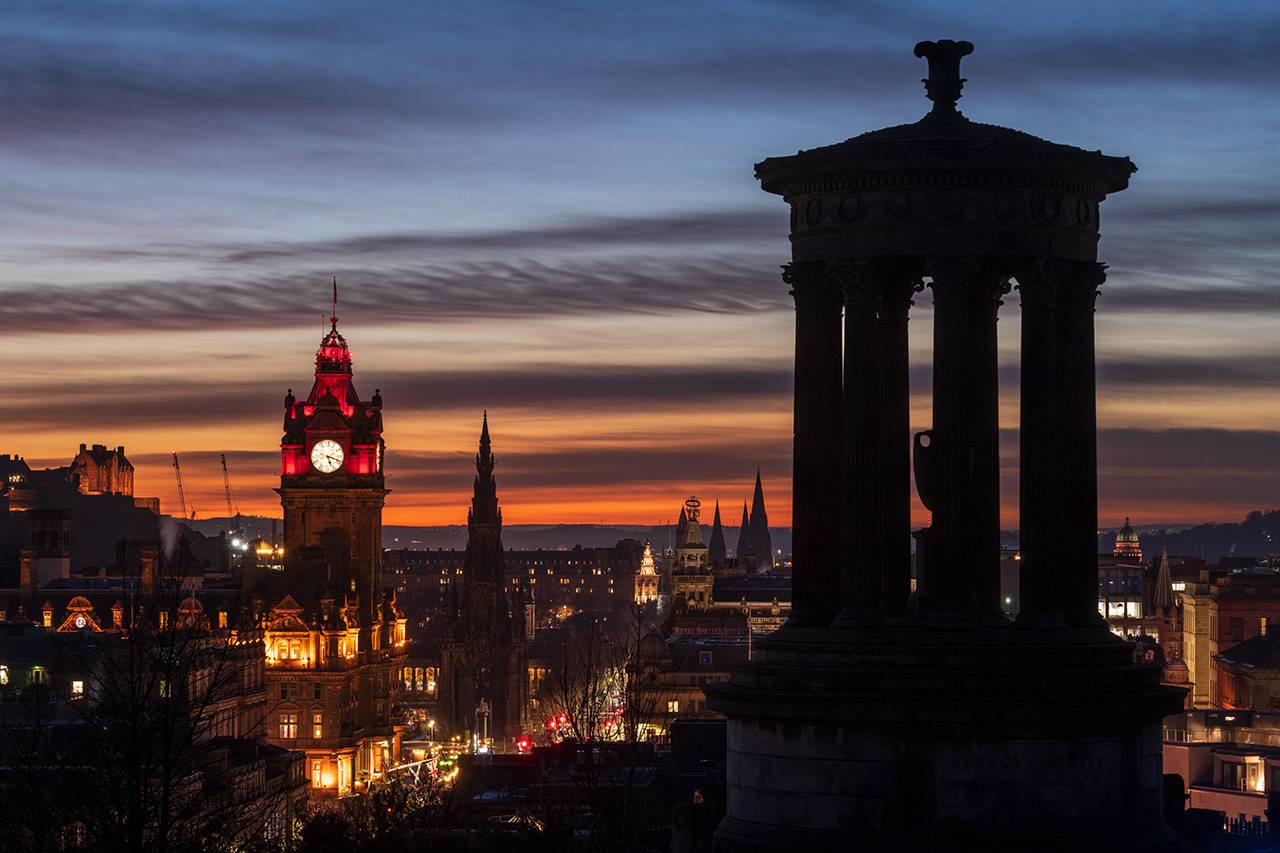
column 811, row 286
column 975, row 281
column 1079, row 288
column 1039, row 280
column 858, row 281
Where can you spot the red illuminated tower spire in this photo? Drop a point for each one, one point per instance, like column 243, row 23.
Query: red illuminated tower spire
column 333, row 411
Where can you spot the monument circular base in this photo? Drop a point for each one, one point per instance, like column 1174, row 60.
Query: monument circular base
column 919, row 736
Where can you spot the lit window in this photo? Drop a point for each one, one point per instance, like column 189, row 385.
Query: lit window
column 222, row 618
column 4, row 675
column 288, row 726
column 164, row 619
column 317, row 774
column 673, row 706
column 164, row 689
column 1262, row 625
column 48, row 618
column 77, row 689
column 317, row 725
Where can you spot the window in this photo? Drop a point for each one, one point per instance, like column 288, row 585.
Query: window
column 164, row 688
column 317, row 691
column 1262, row 625
column 4, row 675
column 317, row 774
column 164, row 619
column 288, row 726
column 673, row 706
column 288, row 691
column 48, row 618
column 704, row 658
column 222, row 618
column 77, row 689
column 317, row 725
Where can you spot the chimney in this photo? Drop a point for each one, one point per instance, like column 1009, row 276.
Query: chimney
column 82, row 447
column 148, row 554
column 27, row 571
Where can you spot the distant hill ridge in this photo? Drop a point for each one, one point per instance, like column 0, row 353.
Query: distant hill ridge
column 517, row 536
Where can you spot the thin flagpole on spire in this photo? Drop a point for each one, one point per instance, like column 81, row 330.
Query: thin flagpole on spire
column 333, row 316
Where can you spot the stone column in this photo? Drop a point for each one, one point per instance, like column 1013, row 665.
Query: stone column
column 816, row 462
column 966, row 519
column 1042, row 489
column 860, row 282
column 1078, row 459
column 895, row 440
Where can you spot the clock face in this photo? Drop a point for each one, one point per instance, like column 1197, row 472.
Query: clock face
column 81, row 621
column 326, row 455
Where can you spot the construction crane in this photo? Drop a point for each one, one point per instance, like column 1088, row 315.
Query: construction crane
column 226, row 487
column 182, row 495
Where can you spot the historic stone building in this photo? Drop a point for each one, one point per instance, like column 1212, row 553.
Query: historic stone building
column 484, row 682
column 103, row 471
column 1127, row 545
column 927, row 720
column 334, row 637
column 691, row 576
column 646, row 578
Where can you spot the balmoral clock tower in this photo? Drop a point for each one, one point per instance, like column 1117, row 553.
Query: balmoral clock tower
column 335, row 639
column 331, row 482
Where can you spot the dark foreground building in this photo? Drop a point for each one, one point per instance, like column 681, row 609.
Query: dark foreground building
column 895, row 720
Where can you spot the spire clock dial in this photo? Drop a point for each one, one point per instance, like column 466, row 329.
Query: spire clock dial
column 326, row 456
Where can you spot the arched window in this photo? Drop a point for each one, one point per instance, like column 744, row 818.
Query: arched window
column 282, row 649
column 295, row 649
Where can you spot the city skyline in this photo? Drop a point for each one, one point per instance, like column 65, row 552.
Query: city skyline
column 519, row 236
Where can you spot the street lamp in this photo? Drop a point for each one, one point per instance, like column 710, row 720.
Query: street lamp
column 431, row 727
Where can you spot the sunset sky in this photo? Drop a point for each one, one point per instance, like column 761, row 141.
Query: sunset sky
column 547, row 209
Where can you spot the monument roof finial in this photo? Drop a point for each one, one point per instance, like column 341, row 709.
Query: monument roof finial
column 944, row 82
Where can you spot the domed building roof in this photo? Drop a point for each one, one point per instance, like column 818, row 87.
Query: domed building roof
column 1127, row 544
column 946, row 140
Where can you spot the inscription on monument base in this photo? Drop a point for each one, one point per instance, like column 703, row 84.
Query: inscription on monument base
column 982, row 781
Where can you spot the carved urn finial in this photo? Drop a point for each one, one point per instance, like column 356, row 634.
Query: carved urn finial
column 944, row 82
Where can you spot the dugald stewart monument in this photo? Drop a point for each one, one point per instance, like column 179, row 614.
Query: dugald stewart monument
column 886, row 718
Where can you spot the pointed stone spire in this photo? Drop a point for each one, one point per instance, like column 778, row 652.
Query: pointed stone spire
column 718, row 554
column 484, row 458
column 744, row 535
column 484, row 501
column 760, row 539
column 1162, row 595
